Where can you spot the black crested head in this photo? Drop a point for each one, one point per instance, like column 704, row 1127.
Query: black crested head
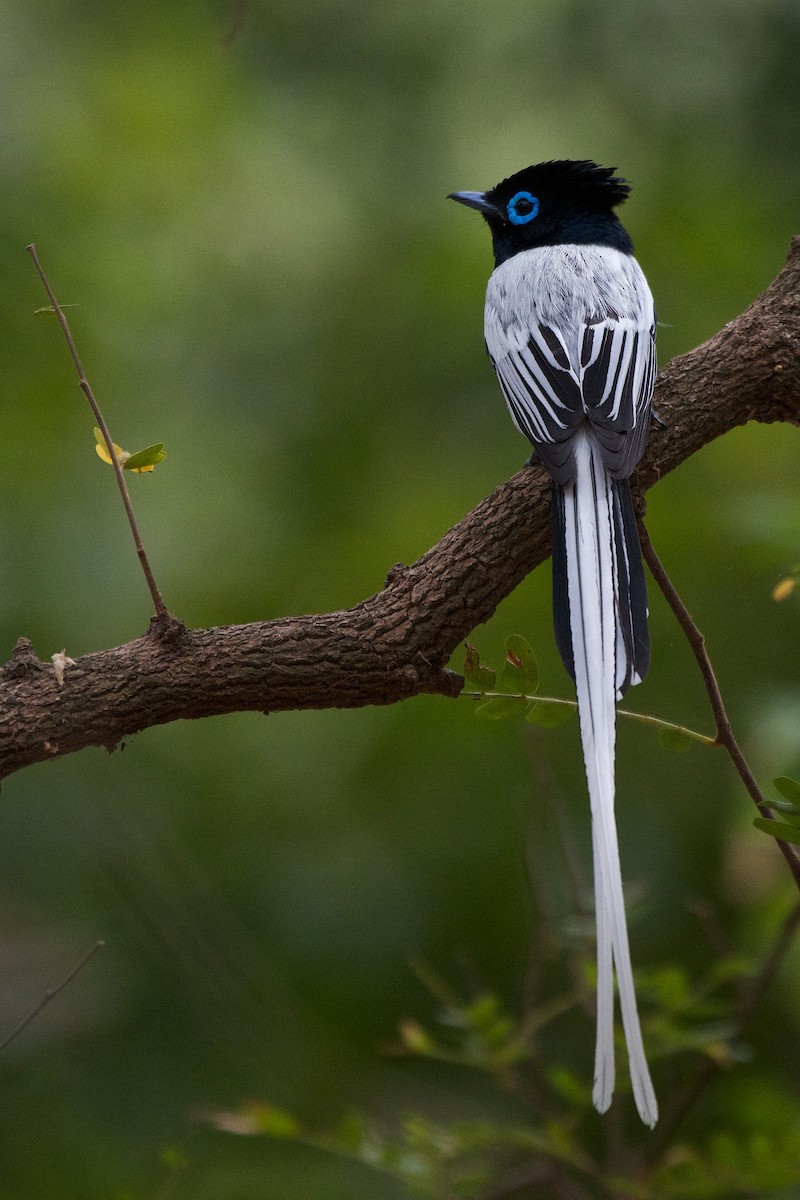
column 572, row 185
column 564, row 202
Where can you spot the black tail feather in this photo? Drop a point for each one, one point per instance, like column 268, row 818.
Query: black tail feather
column 561, row 624
column 631, row 586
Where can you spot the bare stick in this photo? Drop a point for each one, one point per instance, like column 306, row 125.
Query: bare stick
column 51, row 993
column 162, row 612
column 725, row 736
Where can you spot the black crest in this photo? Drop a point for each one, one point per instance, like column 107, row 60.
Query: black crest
column 570, row 185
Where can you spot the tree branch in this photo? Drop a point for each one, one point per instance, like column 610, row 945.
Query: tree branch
column 395, row 644
column 725, row 734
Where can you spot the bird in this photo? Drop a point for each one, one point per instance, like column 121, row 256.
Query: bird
column 570, row 330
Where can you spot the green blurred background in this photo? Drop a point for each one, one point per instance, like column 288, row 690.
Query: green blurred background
column 247, row 204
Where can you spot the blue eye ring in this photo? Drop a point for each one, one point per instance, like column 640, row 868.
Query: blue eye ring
column 522, row 218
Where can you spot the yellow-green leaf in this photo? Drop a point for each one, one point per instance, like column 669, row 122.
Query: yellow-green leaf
column 122, row 456
column 147, row 459
column 499, row 707
column 142, row 461
column 476, row 677
column 549, row 716
column 274, row 1122
column 777, row 829
column 520, row 674
column 789, row 789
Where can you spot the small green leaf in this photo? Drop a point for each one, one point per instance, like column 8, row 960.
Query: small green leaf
column 569, row 1087
column 784, row 806
column 673, row 739
column 671, row 986
column 789, row 789
column 416, row 1038
column 476, row 677
column 549, row 716
column 789, row 814
column 350, row 1133
column 520, row 673
column 472, row 662
column 151, row 456
column 510, row 679
column 275, row 1122
column 727, row 1152
column 777, row 829
column 500, row 706
column 733, row 967
column 483, row 1011
column 174, row 1158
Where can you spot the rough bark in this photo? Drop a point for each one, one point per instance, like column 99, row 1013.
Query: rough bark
column 395, row 644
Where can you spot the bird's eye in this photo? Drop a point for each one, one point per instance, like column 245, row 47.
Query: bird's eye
column 522, row 208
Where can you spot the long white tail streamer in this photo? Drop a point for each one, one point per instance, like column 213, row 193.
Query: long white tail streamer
column 593, row 588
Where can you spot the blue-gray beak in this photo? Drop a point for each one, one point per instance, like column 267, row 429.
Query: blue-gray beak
column 476, row 200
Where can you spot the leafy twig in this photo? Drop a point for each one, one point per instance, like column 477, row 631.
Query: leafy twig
column 50, row 994
column 750, row 996
column 162, row 612
column 725, row 736
column 644, row 718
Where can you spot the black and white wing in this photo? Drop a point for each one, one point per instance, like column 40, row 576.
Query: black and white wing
column 606, row 380
column 618, row 373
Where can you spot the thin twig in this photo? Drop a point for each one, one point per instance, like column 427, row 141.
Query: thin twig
column 750, row 995
column 162, row 612
column 725, row 736
column 50, row 994
column 643, row 718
